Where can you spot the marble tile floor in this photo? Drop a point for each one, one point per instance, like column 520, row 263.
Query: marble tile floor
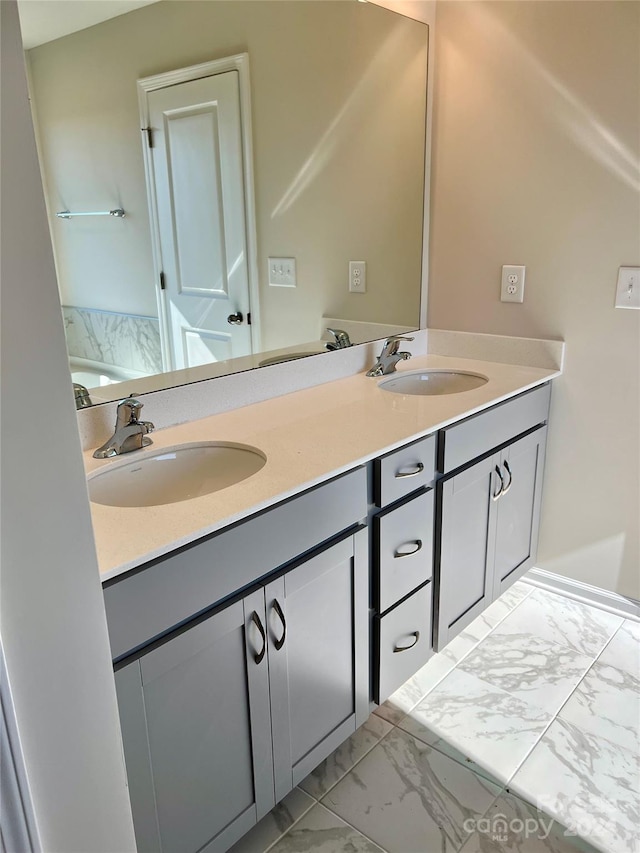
column 522, row 736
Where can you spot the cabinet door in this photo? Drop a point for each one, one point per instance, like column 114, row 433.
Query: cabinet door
column 196, row 730
column 518, row 509
column 318, row 627
column 464, row 576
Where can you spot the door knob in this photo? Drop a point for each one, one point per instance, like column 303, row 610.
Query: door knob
column 235, row 319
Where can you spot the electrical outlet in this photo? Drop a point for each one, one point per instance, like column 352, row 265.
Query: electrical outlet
column 282, row 272
column 357, row 277
column 512, row 284
column 628, row 288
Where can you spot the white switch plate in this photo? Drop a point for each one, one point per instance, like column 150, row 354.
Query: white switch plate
column 282, row 272
column 357, row 277
column 512, row 283
column 628, row 288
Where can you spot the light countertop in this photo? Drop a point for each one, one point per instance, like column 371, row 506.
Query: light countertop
column 307, row 436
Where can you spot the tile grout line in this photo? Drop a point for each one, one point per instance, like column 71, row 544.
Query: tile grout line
column 551, row 721
column 396, row 725
column 556, row 716
column 289, row 828
column 318, row 802
column 354, row 765
column 456, row 664
column 355, row 828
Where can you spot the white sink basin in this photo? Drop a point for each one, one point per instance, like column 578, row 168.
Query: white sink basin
column 431, row 382
column 175, row 474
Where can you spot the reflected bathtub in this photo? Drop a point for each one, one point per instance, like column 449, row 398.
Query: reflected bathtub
column 96, row 374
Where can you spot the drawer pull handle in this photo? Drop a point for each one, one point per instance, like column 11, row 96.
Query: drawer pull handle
column 258, row 656
column 496, row 495
column 508, row 470
column 280, row 643
column 418, row 470
column 417, row 545
column 415, row 634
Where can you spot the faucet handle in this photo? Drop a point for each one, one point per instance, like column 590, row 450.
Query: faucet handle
column 128, row 411
column 341, row 339
column 392, row 343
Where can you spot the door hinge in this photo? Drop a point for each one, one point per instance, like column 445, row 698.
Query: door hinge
column 163, row 286
column 149, row 132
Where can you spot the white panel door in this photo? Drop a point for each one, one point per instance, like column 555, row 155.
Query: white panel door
column 198, row 175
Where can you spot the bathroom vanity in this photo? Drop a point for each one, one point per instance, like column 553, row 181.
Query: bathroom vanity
column 245, row 655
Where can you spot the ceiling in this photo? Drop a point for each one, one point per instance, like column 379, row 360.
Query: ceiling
column 45, row 20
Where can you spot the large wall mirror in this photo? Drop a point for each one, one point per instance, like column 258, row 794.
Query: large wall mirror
column 267, row 195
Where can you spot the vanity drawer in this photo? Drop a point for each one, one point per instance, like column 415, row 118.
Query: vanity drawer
column 403, row 639
column 403, row 545
column 164, row 594
column 462, row 442
column 404, row 471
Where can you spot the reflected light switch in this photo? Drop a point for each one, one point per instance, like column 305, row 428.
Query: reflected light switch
column 628, row 288
column 282, row 272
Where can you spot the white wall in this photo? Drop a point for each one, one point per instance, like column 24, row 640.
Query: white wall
column 52, row 617
column 536, row 161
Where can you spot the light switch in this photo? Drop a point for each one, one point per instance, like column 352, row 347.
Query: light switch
column 628, row 288
column 282, row 272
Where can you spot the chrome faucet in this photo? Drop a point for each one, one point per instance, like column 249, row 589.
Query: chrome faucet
column 389, row 356
column 341, row 339
column 130, row 433
column 81, row 396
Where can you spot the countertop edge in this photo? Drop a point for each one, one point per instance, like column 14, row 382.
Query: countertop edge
column 220, row 522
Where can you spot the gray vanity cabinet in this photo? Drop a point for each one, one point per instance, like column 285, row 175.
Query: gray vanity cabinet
column 402, row 540
column 518, row 509
column 489, row 516
column 221, row 720
column 196, row 730
column 317, row 623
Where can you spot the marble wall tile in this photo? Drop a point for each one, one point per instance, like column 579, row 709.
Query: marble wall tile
column 121, row 339
column 486, row 724
column 275, row 824
column 563, row 621
column 332, row 769
column 607, row 703
column 513, row 826
column 623, row 651
column 407, row 796
column 533, row 669
column 321, row 831
column 587, row 783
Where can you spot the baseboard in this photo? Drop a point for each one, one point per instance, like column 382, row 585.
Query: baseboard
column 593, row 595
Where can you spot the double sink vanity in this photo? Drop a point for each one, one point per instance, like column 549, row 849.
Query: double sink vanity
column 343, row 535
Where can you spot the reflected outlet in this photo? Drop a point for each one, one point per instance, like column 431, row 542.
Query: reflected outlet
column 512, row 284
column 357, row 277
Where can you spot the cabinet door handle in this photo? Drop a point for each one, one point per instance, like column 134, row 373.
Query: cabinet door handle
column 418, row 470
column 280, row 643
column 496, row 495
column 508, row 470
column 417, row 545
column 258, row 656
column 415, row 634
